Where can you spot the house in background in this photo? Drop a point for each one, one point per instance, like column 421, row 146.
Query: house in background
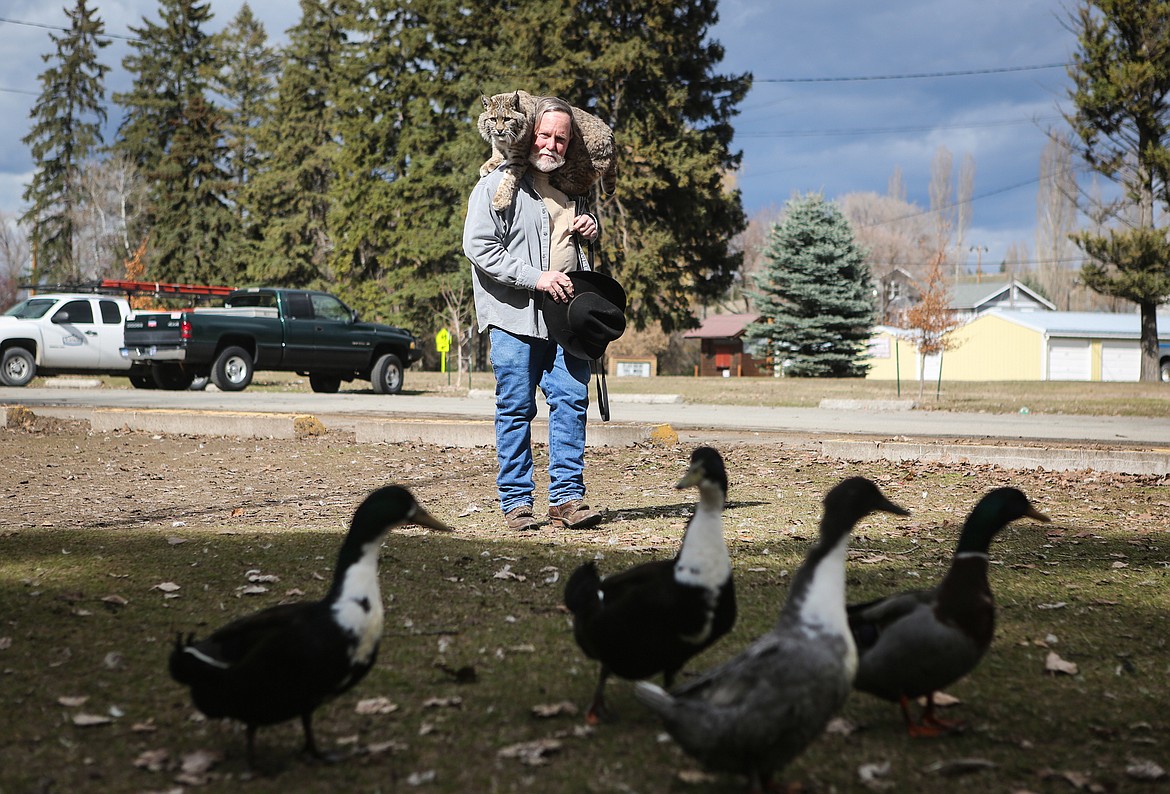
column 721, row 346
column 1002, row 344
column 971, row 300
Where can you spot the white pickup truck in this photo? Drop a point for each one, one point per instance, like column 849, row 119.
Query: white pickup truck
column 66, row 333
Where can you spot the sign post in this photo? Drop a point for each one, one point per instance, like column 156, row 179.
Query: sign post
column 442, row 345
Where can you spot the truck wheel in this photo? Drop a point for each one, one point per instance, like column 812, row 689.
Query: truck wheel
column 17, row 367
column 324, row 384
column 1164, row 370
column 171, row 377
column 232, row 370
column 386, row 378
column 143, row 380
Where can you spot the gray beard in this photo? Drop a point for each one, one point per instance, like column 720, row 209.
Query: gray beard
column 546, row 162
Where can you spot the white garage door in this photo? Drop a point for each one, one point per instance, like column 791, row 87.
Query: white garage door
column 1068, row 359
column 1121, row 361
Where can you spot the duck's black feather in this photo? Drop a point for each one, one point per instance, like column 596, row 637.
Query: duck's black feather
column 284, row 661
column 652, row 618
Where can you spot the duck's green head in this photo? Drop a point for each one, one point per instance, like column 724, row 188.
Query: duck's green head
column 994, row 512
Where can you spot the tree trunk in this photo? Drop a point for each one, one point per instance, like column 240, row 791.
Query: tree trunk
column 1149, row 341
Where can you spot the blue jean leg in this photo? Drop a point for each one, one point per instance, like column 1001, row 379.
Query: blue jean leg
column 566, row 389
column 521, row 365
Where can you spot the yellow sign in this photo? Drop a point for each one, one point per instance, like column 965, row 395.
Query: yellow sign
column 443, row 340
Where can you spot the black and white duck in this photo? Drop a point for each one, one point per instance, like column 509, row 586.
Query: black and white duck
column 755, row 713
column 655, row 616
column 285, row 661
column 914, row 643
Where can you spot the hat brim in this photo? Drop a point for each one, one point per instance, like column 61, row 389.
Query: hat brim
column 603, row 295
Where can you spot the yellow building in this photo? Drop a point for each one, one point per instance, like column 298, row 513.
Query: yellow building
column 1023, row 345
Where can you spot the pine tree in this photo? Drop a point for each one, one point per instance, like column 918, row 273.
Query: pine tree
column 408, row 163
column 245, row 83
column 288, row 194
column 666, row 229
column 66, row 131
column 1122, row 80
column 814, row 293
column 173, row 133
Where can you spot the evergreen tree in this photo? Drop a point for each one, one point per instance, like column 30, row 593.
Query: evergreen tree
column 173, row 133
column 1121, row 79
column 245, row 83
column 648, row 69
column 66, row 131
column 288, row 194
column 408, row 161
column 814, row 293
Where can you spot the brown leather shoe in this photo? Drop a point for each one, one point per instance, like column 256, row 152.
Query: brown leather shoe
column 573, row 514
column 521, row 518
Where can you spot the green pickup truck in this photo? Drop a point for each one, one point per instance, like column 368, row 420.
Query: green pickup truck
column 304, row 331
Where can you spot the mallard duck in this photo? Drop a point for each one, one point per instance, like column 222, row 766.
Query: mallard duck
column 285, row 661
column 655, row 616
column 915, row 643
column 756, row 712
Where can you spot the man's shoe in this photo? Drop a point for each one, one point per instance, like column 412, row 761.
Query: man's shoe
column 521, row 518
column 574, row 514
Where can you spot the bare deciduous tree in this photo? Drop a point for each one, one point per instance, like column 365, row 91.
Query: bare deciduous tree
column 15, row 262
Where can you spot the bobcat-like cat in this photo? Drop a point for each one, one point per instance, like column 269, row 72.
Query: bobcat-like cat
column 506, row 123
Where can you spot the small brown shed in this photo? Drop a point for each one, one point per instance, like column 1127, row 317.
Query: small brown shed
column 721, row 346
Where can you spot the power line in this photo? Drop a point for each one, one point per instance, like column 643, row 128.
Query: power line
column 890, row 130
column 58, row 28
column 911, row 75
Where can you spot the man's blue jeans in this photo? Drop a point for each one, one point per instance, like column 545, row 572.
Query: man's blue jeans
column 521, row 364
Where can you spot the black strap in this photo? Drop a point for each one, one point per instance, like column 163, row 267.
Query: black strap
column 598, row 365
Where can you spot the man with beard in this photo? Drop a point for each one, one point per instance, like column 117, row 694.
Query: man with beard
column 521, row 256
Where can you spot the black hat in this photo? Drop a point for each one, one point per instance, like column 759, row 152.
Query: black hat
column 591, row 319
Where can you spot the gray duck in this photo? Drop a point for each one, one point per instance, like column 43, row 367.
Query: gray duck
column 914, row 643
column 285, row 661
column 654, row 617
column 758, row 711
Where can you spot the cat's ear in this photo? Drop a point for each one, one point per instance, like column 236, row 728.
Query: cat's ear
column 516, row 101
column 484, row 100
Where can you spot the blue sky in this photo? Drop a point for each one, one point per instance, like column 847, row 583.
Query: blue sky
column 990, row 91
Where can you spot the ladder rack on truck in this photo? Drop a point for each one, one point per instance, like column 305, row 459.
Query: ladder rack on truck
column 129, row 287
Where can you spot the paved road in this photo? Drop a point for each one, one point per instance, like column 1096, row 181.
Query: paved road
column 348, row 407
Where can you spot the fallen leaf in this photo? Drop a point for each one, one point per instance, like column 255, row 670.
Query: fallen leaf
column 534, row 753
column 871, row 776
column 200, row 761
column 91, row 720
column 421, row 778
column 1055, row 605
column 378, row 705
column 960, row 766
column 696, row 777
column 840, row 727
column 1054, row 664
column 73, row 702
column 115, row 600
column 507, row 573
column 545, row 710
column 392, row 746
column 5, row 643
column 166, row 587
column 443, row 703
column 153, row 760
column 1144, row 770
column 941, row 699
column 252, row 589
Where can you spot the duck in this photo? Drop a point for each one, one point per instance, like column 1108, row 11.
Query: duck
column 914, row 643
column 656, row 616
column 756, row 712
column 283, row 662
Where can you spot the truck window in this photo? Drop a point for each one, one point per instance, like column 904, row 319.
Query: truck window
column 110, row 313
column 327, row 307
column 260, row 300
column 297, row 306
column 80, row 312
column 31, row 309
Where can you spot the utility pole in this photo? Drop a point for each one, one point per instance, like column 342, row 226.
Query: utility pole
column 979, row 250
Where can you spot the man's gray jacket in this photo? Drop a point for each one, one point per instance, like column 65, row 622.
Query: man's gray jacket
column 508, row 251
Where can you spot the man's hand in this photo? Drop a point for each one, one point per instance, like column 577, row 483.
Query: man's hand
column 585, row 226
column 557, row 284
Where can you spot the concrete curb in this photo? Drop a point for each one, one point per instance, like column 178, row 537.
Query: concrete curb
column 463, row 432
